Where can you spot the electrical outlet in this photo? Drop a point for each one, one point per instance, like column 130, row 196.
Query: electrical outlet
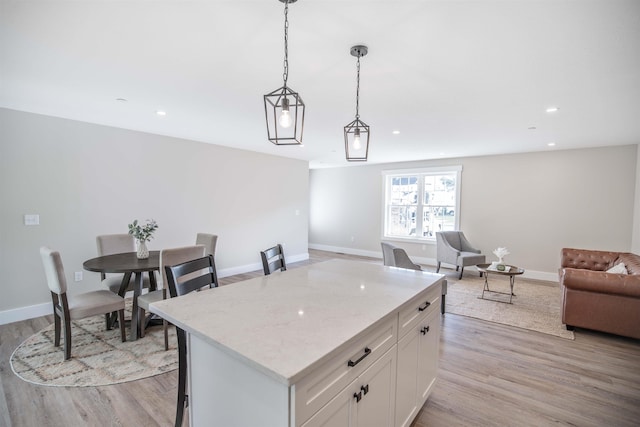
column 32, row 219
column 78, row 276
column 353, row 239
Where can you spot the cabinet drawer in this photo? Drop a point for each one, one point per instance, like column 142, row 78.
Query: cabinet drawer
column 422, row 305
column 316, row 389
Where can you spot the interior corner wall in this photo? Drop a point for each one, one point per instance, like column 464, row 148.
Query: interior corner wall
column 635, row 241
column 534, row 204
column 85, row 180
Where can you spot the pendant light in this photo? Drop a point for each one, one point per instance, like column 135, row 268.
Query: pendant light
column 356, row 133
column 284, row 108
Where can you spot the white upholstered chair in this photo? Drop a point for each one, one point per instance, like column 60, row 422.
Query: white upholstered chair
column 109, row 244
column 454, row 248
column 67, row 308
column 168, row 257
column 209, row 241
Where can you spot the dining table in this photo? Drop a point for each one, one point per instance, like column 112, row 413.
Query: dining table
column 128, row 264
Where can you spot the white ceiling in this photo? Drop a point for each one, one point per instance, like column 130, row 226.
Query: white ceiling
column 456, row 78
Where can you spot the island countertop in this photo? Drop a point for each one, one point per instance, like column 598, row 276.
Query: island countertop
column 287, row 323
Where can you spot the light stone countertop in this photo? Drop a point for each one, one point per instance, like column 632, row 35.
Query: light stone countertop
column 287, row 323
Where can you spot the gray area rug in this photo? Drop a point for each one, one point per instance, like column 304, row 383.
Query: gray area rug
column 98, row 356
column 536, row 304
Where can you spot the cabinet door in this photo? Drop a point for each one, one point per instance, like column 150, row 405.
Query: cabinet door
column 407, row 378
column 377, row 385
column 428, row 355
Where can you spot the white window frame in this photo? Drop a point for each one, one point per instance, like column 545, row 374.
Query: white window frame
column 387, row 175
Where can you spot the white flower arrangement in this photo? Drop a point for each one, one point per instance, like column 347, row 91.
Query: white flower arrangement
column 501, row 253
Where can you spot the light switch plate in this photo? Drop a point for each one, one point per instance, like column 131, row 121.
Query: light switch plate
column 32, row 219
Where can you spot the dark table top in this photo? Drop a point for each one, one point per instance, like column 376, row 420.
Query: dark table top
column 123, row 263
column 512, row 271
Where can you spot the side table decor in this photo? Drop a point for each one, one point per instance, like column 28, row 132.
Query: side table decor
column 500, row 252
column 142, row 234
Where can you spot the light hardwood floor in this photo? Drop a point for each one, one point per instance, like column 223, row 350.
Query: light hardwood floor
column 490, row 375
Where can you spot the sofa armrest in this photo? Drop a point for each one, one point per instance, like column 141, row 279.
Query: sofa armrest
column 601, row 282
column 587, row 259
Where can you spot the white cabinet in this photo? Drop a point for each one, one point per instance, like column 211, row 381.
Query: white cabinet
column 417, row 361
column 367, row 401
column 390, row 391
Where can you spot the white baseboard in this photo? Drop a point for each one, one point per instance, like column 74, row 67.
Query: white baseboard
column 529, row 274
column 349, row 251
column 241, row 269
column 24, row 313
column 30, row 312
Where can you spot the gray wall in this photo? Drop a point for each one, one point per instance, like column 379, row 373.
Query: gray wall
column 534, row 204
column 84, row 180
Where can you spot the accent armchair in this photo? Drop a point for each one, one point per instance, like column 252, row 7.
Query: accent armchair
column 397, row 257
column 454, row 248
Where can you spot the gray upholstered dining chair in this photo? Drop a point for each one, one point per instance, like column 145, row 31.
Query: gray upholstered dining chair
column 209, row 241
column 454, row 248
column 394, row 256
column 109, row 244
column 168, row 257
column 67, row 308
column 273, row 259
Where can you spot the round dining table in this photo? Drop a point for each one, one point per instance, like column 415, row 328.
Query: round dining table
column 128, row 263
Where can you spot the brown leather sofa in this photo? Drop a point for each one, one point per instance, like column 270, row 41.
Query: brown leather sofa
column 595, row 299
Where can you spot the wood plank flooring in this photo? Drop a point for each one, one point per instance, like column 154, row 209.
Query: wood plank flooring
column 490, row 375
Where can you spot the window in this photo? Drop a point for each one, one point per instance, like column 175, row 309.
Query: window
column 420, row 202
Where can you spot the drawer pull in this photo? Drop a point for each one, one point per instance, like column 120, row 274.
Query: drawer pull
column 365, row 389
column 367, row 351
column 424, row 330
column 358, row 396
column 426, row 304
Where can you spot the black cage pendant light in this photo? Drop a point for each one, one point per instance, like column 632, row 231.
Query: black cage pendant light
column 356, row 133
column 284, row 108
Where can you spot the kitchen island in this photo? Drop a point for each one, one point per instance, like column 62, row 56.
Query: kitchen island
column 335, row 343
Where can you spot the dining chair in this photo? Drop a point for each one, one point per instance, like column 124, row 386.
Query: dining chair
column 67, row 308
column 168, row 257
column 182, row 279
column 209, row 241
column 109, row 244
column 273, row 259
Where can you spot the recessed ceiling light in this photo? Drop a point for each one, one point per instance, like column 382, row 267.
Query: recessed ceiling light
column 121, row 100
column 161, row 113
column 551, row 144
column 552, row 109
column 396, row 132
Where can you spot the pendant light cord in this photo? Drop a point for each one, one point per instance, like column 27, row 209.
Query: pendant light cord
column 358, row 91
column 285, row 74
